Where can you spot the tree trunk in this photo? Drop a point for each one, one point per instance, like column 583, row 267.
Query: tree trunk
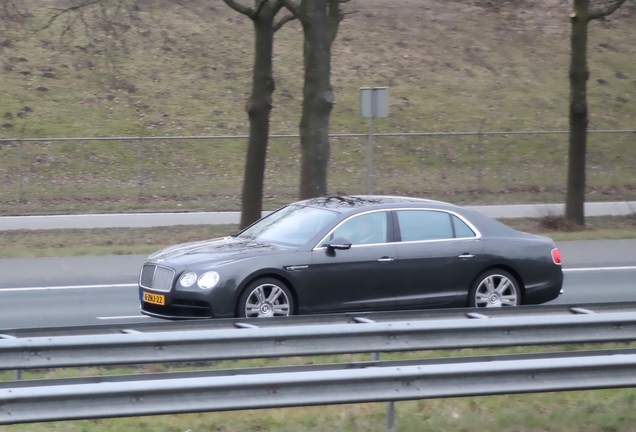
column 317, row 100
column 575, row 199
column 258, row 109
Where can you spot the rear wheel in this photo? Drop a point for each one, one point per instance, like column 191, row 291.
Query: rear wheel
column 266, row 297
column 495, row 288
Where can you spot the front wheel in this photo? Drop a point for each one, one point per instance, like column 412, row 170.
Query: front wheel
column 495, row 288
column 266, row 297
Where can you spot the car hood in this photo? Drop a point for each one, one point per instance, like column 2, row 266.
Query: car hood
column 220, row 249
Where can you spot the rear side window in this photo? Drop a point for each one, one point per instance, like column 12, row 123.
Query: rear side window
column 416, row 225
column 461, row 229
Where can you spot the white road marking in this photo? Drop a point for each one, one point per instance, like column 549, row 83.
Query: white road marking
column 589, row 269
column 123, row 317
column 69, row 287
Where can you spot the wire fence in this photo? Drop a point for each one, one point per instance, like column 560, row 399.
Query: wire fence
column 457, row 166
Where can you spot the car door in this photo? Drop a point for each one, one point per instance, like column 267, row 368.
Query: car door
column 438, row 255
column 358, row 278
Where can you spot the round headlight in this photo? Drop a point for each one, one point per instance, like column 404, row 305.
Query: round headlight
column 208, row 280
column 188, row 279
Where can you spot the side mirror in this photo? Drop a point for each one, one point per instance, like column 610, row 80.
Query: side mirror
column 339, row 243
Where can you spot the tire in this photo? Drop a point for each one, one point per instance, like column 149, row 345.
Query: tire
column 265, row 297
column 494, row 288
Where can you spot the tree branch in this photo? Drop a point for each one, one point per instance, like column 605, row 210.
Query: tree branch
column 240, row 8
column 61, row 12
column 260, row 8
column 284, row 20
column 335, row 17
column 293, row 8
column 605, row 11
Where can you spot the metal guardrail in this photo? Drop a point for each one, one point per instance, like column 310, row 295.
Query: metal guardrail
column 186, row 392
column 320, row 319
column 374, row 383
column 254, row 342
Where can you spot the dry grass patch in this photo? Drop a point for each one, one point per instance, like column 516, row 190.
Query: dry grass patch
column 106, row 241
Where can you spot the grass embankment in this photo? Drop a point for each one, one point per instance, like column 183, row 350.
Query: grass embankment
column 449, row 66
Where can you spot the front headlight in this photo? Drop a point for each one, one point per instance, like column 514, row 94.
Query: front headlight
column 208, row 280
column 188, row 279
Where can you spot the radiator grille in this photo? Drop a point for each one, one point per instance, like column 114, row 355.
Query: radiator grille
column 156, row 277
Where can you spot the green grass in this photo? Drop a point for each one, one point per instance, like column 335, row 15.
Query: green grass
column 593, row 411
column 107, row 241
column 449, row 66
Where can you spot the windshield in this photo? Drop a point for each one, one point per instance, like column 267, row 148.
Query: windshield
column 293, row 225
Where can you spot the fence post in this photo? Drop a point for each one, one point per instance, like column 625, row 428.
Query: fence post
column 140, row 170
column 20, row 171
column 480, row 156
column 17, row 375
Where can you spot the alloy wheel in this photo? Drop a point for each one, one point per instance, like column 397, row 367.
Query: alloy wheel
column 267, row 300
column 496, row 290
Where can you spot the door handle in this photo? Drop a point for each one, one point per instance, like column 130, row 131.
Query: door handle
column 386, row 259
column 466, row 255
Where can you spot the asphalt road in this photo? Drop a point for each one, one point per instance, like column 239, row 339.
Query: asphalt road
column 47, row 292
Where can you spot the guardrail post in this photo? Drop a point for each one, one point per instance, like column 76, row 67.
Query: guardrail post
column 390, row 416
column 390, row 406
column 17, row 375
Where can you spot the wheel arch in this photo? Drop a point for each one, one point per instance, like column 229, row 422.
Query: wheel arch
column 264, row 275
column 504, row 267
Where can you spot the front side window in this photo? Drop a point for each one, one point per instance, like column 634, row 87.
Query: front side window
column 417, row 225
column 370, row 228
column 293, row 225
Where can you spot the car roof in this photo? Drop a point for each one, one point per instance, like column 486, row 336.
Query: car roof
column 357, row 203
column 351, row 204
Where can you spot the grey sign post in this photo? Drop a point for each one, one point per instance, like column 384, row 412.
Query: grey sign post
column 373, row 103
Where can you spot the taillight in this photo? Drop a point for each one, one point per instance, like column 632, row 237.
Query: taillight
column 556, row 256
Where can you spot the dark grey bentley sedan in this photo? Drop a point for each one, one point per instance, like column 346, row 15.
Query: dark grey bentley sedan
column 353, row 253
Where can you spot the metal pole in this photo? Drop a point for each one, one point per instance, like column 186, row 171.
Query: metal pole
column 141, row 167
column 480, row 156
column 17, row 375
column 390, row 406
column 369, row 158
column 390, row 416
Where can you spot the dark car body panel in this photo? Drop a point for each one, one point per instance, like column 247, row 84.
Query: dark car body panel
column 393, row 274
column 350, row 279
column 434, row 271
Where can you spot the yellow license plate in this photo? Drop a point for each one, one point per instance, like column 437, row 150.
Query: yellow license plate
column 154, row 298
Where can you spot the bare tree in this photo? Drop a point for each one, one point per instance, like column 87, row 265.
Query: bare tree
column 320, row 20
column 583, row 12
column 263, row 16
